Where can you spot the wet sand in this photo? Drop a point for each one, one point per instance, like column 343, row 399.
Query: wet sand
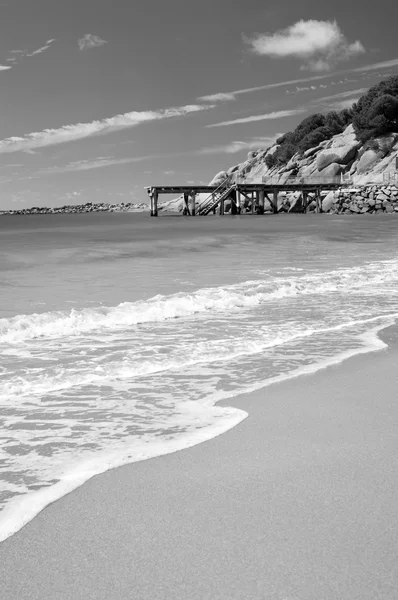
column 299, row 502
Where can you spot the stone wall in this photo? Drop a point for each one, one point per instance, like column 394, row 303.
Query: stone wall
column 363, row 199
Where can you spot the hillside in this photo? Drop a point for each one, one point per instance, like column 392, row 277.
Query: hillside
column 359, row 145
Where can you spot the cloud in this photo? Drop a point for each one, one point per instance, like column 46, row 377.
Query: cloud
column 87, row 165
column 320, row 44
column 90, row 41
column 4, row 67
column 268, row 116
column 341, row 104
column 69, row 133
column 269, row 86
column 348, row 94
column 218, row 97
column 241, row 146
column 303, row 89
column 380, row 65
column 43, row 48
column 231, row 148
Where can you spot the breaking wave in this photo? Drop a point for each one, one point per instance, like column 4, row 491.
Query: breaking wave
column 218, row 299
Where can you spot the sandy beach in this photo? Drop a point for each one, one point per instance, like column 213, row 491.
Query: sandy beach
column 296, row 503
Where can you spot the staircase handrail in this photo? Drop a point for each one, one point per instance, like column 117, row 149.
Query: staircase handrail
column 210, row 197
column 227, row 179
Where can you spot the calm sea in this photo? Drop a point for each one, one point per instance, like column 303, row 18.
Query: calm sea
column 118, row 332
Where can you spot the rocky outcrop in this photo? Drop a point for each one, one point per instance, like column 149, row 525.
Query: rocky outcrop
column 341, row 149
column 342, row 157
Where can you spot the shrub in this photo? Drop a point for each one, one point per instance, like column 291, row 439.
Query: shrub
column 376, row 113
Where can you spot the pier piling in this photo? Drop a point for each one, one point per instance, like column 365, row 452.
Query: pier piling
column 261, row 200
column 154, row 202
column 193, row 203
column 275, row 201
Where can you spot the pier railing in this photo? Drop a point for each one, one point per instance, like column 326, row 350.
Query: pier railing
column 391, row 178
column 343, row 179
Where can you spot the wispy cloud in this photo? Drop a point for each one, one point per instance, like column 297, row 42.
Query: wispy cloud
column 269, row 86
column 43, row 48
column 320, row 45
column 341, row 104
column 280, row 114
column 88, row 165
column 241, row 146
column 380, row 65
column 341, row 95
column 19, row 55
column 231, row 148
column 68, row 133
column 307, row 88
column 218, row 97
column 4, row 67
column 90, row 41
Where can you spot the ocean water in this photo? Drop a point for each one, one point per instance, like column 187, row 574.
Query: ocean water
column 119, row 333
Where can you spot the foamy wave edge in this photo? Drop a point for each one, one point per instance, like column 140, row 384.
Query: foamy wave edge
column 22, row 328
column 14, row 518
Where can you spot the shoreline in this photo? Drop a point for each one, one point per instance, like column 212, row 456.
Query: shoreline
column 24, row 510
column 176, row 509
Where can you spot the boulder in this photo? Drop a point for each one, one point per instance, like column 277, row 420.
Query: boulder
column 368, row 159
column 342, row 150
column 296, row 203
column 217, row 179
column 332, row 171
column 329, row 201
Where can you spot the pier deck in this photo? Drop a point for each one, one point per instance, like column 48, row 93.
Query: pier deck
column 233, row 190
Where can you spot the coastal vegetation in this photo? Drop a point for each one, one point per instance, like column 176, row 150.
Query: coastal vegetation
column 375, row 114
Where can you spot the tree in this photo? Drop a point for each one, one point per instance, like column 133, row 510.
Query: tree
column 376, row 113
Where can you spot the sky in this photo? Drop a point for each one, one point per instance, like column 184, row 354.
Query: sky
column 100, row 98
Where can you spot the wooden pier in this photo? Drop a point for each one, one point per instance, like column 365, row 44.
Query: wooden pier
column 234, row 191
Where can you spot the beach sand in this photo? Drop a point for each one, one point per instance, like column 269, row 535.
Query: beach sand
column 298, row 502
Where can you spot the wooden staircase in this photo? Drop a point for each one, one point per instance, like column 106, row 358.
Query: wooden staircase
column 216, row 197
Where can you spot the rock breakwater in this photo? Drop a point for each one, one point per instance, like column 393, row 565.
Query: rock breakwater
column 360, row 200
column 79, row 208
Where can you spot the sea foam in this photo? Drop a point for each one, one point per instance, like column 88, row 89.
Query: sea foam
column 160, row 308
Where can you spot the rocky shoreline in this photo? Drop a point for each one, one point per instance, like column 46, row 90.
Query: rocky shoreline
column 361, row 200
column 79, row 208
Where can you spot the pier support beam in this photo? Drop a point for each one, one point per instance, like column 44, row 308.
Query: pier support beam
column 275, row 201
column 154, row 203
column 186, row 210
column 193, row 204
column 253, row 194
column 305, row 201
column 238, row 201
column 222, row 207
column 318, row 201
column 261, row 199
